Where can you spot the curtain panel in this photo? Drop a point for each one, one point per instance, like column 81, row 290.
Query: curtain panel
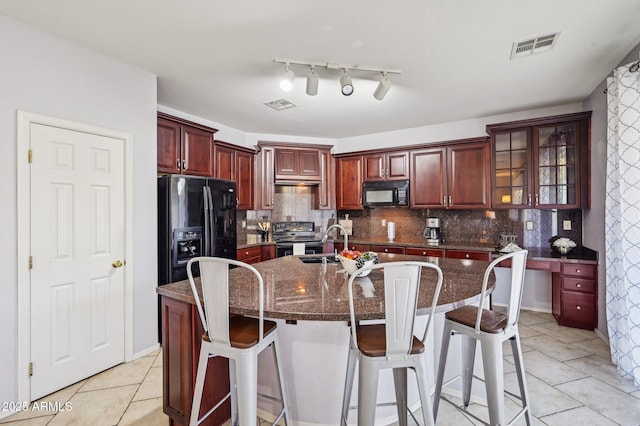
column 622, row 221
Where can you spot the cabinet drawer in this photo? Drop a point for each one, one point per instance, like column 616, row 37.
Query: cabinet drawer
column 579, row 284
column 471, row 255
column 422, row 251
column 360, row 247
column 578, row 270
column 388, row 249
column 246, row 253
column 578, row 308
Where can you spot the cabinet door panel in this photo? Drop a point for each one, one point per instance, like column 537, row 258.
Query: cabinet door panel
column 309, row 163
column 267, row 178
column 225, row 163
column 169, row 158
column 349, row 183
column 244, row 180
column 197, row 147
column 468, row 185
column 286, row 163
column 374, row 167
column 428, row 181
column 397, row 165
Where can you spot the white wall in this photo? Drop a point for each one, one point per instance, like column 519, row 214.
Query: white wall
column 593, row 223
column 43, row 74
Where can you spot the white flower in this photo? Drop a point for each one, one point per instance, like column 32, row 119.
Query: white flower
column 564, row 242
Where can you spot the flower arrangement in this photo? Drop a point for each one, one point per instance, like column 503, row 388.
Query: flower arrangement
column 561, row 244
column 352, row 260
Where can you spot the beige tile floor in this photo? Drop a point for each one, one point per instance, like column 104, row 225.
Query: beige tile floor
column 569, row 374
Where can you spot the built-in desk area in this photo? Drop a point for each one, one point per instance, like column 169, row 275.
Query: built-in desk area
column 310, row 303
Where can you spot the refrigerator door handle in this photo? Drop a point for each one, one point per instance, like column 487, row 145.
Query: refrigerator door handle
column 211, row 220
column 207, row 215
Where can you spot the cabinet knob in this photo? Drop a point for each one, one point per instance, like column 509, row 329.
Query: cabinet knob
column 529, row 198
column 578, row 271
column 450, row 200
column 424, row 253
column 386, row 250
column 466, row 255
column 578, row 285
column 246, row 253
column 184, row 165
column 578, row 307
column 178, row 164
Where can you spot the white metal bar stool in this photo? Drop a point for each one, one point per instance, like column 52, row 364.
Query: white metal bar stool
column 240, row 339
column 392, row 344
column 491, row 329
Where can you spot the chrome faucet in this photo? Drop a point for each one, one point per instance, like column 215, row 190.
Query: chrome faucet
column 344, row 231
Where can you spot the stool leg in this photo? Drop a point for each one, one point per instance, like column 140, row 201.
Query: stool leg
column 400, row 384
column 348, row 385
column 367, row 391
column 444, row 351
column 468, row 361
column 247, row 379
column 203, row 360
column 283, row 393
column 494, row 379
column 425, row 391
column 233, row 388
column 516, row 348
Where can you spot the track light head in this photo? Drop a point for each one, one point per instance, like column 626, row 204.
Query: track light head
column 346, row 84
column 312, row 82
column 383, row 87
column 286, row 82
column 634, row 67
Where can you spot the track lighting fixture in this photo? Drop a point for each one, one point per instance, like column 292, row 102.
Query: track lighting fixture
column 346, row 84
column 383, row 87
column 634, row 67
column 312, row 81
column 286, row 82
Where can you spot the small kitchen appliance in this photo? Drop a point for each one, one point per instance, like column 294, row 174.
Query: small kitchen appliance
column 432, row 231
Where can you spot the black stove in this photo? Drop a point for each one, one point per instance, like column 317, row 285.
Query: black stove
column 285, row 234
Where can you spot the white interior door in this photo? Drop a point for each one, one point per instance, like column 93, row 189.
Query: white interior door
column 77, row 239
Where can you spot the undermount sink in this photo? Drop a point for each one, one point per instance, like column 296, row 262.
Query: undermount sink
column 318, row 259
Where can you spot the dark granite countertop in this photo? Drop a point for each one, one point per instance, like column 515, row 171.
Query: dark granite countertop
column 303, row 291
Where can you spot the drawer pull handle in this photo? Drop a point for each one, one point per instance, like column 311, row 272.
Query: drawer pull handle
column 578, row 271
column 424, row 253
column 578, row 307
column 246, row 253
column 466, row 255
column 579, row 285
column 386, row 250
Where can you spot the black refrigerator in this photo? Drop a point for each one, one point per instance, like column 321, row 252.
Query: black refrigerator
column 196, row 217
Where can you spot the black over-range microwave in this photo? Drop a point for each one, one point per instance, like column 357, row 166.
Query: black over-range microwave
column 385, row 193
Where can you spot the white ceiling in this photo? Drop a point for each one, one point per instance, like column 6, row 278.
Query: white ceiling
column 214, row 58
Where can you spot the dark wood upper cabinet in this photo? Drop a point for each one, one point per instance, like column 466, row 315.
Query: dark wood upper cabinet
column 266, row 180
column 386, row 166
column 237, row 164
column 455, row 176
column 349, row 183
column 184, row 147
column 541, row 163
column 297, row 164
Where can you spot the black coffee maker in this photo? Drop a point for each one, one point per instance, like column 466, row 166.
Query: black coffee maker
column 432, row 231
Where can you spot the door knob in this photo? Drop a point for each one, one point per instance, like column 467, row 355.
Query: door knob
column 116, row 264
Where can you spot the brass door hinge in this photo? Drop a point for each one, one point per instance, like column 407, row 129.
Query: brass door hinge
column 30, row 155
column 30, row 369
column 30, row 262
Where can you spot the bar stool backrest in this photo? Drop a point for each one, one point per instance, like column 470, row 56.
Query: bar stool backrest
column 214, row 279
column 401, row 289
column 518, row 267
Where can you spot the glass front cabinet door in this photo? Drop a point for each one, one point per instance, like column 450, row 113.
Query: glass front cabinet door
column 541, row 163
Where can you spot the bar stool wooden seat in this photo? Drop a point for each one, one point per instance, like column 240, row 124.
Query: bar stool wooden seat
column 491, row 329
column 240, row 339
column 392, row 344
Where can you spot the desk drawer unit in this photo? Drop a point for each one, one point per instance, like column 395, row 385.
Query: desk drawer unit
column 574, row 294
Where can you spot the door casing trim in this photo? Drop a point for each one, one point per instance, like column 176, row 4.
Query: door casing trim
column 23, row 237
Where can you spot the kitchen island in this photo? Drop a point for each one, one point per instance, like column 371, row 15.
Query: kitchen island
column 310, row 303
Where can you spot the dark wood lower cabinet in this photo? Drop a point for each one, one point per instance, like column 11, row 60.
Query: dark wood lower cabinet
column 181, row 338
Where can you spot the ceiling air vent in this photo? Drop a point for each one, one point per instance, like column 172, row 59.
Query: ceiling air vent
column 534, row 45
column 280, row 104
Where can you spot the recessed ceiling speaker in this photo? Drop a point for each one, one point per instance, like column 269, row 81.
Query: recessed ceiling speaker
column 346, row 84
column 312, row 82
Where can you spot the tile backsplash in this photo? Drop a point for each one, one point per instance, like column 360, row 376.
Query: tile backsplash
column 457, row 226
column 466, row 226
